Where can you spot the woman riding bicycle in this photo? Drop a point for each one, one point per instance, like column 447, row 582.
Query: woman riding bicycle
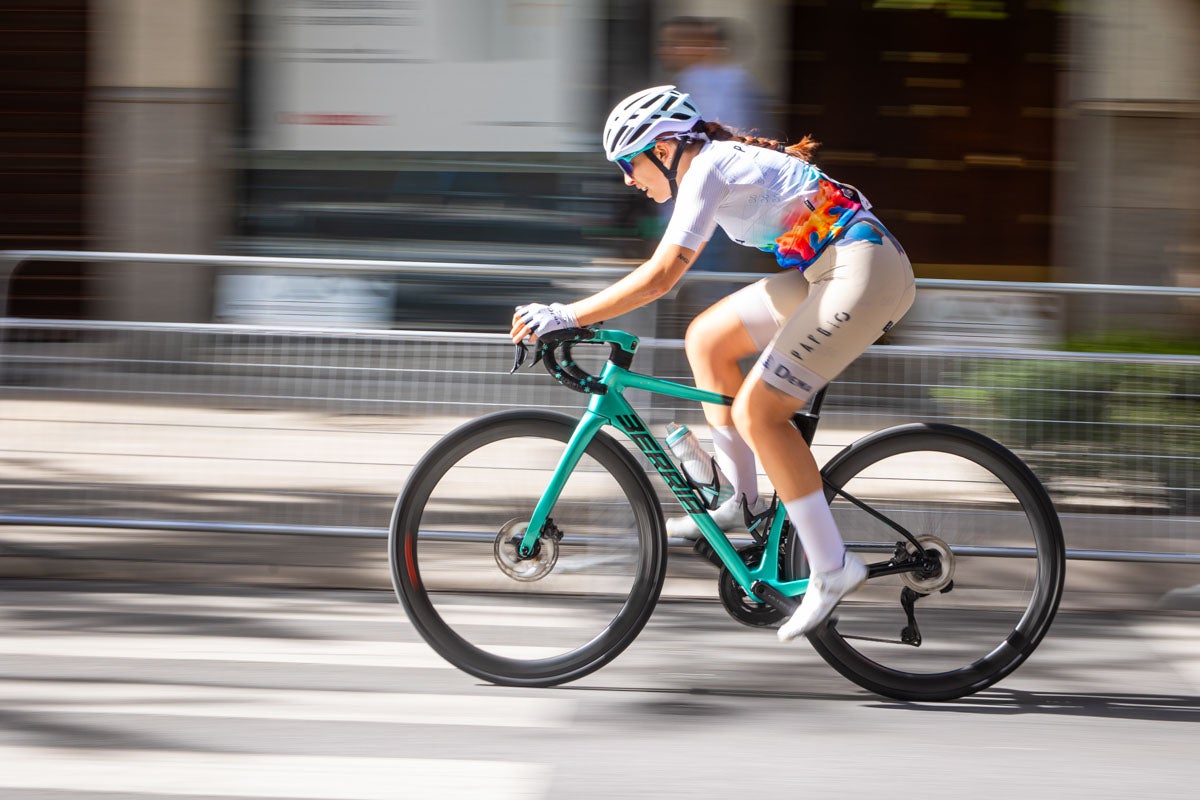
column 846, row 281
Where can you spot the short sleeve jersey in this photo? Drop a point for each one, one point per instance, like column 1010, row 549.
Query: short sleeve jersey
column 761, row 198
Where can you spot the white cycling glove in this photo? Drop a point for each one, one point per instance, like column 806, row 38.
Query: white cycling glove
column 542, row 319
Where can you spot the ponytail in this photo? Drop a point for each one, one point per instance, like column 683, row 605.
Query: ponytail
column 803, row 149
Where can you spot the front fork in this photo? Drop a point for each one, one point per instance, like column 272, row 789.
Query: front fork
column 588, row 425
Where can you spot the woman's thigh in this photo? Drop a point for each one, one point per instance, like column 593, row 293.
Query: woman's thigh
column 764, row 306
column 719, row 334
column 850, row 305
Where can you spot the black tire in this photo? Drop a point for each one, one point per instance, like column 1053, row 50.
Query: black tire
column 985, row 504
column 457, row 587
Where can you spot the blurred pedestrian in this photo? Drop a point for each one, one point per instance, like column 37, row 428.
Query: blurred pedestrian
column 698, row 54
column 846, row 281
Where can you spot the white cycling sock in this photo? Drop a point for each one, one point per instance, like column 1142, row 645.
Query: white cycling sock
column 818, row 532
column 736, row 460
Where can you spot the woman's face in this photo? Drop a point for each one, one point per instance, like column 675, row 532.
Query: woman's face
column 647, row 177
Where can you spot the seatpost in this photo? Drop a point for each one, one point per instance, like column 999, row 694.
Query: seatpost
column 806, row 420
column 814, row 407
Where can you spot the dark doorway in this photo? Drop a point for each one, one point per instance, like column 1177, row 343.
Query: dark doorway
column 944, row 115
column 43, row 79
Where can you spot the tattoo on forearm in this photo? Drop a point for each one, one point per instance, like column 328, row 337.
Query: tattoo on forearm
column 684, row 258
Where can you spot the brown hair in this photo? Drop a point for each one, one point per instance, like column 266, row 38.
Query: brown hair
column 803, row 149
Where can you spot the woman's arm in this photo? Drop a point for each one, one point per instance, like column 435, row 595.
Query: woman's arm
column 650, row 281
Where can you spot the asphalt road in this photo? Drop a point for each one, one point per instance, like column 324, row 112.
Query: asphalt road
column 144, row 691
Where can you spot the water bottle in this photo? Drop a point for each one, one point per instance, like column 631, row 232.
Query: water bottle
column 699, row 467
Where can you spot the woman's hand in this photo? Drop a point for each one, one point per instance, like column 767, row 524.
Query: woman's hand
column 535, row 320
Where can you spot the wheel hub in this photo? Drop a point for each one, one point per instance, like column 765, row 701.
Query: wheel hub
column 937, row 573
column 510, row 561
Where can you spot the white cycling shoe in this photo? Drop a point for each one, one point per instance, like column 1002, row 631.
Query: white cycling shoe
column 825, row 591
column 728, row 516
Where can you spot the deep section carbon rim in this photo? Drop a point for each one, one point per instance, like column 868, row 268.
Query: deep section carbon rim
column 592, row 585
column 958, row 493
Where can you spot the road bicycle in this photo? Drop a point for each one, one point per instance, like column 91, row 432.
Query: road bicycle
column 549, row 525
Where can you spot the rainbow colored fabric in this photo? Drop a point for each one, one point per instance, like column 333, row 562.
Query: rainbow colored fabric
column 818, row 221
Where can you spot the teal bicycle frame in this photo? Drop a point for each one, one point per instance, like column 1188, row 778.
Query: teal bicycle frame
column 611, row 408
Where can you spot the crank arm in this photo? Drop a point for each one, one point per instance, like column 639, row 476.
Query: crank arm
column 774, row 598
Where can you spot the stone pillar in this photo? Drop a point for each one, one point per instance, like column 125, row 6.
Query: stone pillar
column 1130, row 188
column 161, row 103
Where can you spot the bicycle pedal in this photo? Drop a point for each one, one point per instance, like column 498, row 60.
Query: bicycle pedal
column 705, row 550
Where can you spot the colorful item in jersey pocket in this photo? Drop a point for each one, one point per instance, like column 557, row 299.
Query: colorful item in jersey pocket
column 817, row 222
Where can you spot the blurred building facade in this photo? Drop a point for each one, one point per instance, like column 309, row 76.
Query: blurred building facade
column 1000, row 139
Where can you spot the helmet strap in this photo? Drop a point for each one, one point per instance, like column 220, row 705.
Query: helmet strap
column 672, row 172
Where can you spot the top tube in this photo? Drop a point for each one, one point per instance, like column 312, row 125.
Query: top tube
column 618, row 376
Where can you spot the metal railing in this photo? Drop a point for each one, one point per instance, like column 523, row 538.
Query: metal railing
column 239, row 428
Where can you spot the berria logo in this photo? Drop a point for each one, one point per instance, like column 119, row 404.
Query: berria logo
column 646, row 442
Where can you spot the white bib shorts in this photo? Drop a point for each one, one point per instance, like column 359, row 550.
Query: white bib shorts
column 811, row 325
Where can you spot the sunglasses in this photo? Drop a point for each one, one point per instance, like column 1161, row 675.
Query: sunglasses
column 626, row 162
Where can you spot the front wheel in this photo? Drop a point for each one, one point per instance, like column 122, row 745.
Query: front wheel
column 991, row 585
column 592, row 583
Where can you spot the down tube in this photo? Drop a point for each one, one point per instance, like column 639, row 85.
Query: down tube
column 580, row 439
column 616, row 408
column 745, row 577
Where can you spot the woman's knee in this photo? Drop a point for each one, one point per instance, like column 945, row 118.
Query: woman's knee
column 757, row 414
column 718, row 332
column 743, row 417
column 702, row 341
column 751, row 417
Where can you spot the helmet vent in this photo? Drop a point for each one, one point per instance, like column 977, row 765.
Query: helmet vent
column 639, row 120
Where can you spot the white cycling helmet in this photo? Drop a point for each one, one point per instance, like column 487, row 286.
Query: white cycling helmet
column 645, row 116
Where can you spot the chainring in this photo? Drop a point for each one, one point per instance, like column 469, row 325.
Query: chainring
column 737, row 603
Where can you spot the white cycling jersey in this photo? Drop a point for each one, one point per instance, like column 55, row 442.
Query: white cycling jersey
column 853, row 280
column 764, row 199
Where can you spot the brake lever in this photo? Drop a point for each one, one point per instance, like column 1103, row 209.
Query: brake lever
column 520, row 356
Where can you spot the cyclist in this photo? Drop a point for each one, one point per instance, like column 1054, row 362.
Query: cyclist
column 846, row 281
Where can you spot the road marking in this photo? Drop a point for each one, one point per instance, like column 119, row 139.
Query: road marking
column 534, row 615
column 327, row 607
column 523, row 617
column 170, row 772
column 407, row 655
column 1179, row 646
column 190, row 700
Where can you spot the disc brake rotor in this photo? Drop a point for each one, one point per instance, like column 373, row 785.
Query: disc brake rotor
column 508, row 558
column 935, row 580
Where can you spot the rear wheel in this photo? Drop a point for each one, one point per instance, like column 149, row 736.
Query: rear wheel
column 584, row 596
column 992, row 579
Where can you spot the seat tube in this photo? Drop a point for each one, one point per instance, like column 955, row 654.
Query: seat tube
column 588, row 425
